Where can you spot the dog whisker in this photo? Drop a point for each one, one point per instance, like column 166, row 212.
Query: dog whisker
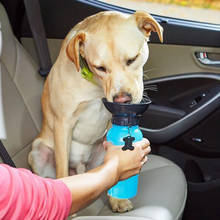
column 150, row 87
column 145, row 99
column 146, row 83
column 145, row 95
column 145, row 77
column 146, row 71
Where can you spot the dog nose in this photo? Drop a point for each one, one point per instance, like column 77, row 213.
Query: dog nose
column 122, row 97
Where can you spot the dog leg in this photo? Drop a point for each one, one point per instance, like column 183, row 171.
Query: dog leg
column 97, row 157
column 120, row 205
column 79, row 156
column 41, row 159
column 62, row 142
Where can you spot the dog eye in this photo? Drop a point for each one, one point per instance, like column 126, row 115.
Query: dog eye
column 101, row 68
column 130, row 61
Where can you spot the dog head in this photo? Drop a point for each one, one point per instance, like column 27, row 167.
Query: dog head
column 115, row 48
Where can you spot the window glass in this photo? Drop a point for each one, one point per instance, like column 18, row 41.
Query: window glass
column 197, row 10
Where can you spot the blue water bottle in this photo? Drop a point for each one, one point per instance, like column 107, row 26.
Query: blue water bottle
column 125, row 131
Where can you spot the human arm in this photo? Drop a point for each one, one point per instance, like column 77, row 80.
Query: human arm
column 118, row 165
column 24, row 195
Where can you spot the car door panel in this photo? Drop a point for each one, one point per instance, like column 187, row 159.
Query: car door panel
column 168, row 60
column 181, row 102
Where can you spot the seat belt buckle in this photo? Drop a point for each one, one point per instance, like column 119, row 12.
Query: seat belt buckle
column 44, row 72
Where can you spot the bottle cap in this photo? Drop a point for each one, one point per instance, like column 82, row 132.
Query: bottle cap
column 126, row 114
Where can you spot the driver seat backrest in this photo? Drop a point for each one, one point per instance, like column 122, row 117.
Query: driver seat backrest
column 21, row 88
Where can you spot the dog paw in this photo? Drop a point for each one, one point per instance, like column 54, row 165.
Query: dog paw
column 120, row 205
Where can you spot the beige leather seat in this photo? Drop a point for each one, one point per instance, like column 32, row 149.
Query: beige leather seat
column 162, row 194
column 162, row 189
column 22, row 87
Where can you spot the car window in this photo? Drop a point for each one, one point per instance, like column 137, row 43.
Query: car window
column 199, row 10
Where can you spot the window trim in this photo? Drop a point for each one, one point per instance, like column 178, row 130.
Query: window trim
column 194, row 29
column 176, row 31
column 159, row 18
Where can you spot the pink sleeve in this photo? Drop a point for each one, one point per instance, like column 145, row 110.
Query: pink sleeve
column 24, row 195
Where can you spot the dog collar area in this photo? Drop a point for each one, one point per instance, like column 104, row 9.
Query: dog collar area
column 85, row 71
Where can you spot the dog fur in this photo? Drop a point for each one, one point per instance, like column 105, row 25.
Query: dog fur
column 75, row 121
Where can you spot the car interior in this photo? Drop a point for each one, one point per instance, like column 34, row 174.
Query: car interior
column 181, row 180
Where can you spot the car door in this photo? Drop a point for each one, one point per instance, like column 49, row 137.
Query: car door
column 182, row 78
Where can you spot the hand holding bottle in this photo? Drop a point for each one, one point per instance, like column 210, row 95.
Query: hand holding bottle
column 128, row 162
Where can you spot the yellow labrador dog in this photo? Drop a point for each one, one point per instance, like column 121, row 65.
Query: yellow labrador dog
column 114, row 47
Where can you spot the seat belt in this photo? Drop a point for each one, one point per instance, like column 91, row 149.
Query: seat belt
column 34, row 17
column 5, row 155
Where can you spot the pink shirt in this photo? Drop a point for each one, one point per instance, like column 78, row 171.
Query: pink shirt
column 24, row 195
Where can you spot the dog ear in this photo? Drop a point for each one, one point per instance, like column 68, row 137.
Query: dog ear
column 146, row 23
column 73, row 48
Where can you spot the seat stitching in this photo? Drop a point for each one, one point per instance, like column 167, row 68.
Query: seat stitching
column 26, row 105
column 18, row 90
column 23, row 148
column 22, row 99
column 20, row 93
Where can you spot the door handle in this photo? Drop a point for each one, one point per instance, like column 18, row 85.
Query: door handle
column 203, row 58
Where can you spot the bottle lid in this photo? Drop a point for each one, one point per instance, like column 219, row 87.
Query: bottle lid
column 126, row 114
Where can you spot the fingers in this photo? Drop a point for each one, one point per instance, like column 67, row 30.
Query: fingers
column 146, row 151
column 145, row 148
column 144, row 160
column 144, row 143
column 137, row 170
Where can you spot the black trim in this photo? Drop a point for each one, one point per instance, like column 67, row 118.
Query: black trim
column 207, row 106
column 33, row 13
column 105, row 6
column 168, row 133
column 5, row 155
column 206, row 75
column 15, row 10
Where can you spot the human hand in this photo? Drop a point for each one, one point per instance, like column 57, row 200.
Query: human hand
column 128, row 162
